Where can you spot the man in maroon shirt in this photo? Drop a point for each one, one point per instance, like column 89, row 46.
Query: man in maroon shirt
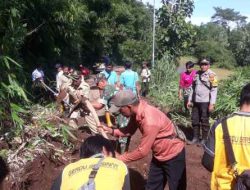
column 158, row 134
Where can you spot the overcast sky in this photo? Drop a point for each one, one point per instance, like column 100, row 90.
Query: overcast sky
column 204, row 8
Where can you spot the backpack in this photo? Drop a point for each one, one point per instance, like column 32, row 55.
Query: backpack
column 90, row 185
column 178, row 134
column 242, row 181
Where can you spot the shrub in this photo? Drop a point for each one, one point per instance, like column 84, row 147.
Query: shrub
column 216, row 52
column 229, row 93
column 164, row 85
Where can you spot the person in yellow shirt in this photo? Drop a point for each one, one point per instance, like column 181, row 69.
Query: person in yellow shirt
column 109, row 173
column 215, row 157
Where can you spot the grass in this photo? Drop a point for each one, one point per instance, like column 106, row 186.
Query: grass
column 222, row 74
column 182, row 60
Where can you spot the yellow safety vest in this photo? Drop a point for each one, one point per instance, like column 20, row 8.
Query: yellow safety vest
column 239, row 131
column 110, row 176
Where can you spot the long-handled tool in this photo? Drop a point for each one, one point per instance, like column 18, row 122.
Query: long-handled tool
column 54, row 93
column 47, row 87
column 107, row 116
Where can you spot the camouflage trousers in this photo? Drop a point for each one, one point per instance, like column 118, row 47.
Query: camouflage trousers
column 123, row 142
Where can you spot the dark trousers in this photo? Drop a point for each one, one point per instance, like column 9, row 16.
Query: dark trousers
column 172, row 171
column 200, row 118
column 185, row 103
column 144, row 88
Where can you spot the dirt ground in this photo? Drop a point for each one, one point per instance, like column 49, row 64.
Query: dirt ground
column 40, row 173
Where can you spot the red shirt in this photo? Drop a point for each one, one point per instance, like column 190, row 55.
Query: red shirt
column 153, row 124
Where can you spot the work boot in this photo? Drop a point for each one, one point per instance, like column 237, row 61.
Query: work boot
column 205, row 130
column 196, row 132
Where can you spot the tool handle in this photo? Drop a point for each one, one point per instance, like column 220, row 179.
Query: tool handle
column 108, row 119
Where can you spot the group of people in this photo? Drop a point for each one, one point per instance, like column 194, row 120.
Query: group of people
column 85, row 110
column 199, row 91
column 121, row 98
column 102, row 167
column 158, row 135
column 227, row 143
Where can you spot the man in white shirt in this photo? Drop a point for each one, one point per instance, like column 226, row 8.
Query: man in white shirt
column 59, row 68
column 145, row 75
column 38, row 90
column 38, row 74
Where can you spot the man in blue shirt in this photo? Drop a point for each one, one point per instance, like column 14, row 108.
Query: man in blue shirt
column 110, row 75
column 129, row 79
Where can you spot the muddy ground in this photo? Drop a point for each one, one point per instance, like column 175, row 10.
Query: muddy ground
column 40, row 173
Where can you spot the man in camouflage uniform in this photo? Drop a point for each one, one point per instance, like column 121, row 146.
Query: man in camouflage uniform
column 107, row 92
column 202, row 100
column 82, row 112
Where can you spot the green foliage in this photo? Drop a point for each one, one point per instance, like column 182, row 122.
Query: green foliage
column 229, row 93
column 4, row 154
column 164, row 84
column 226, row 16
column 66, row 134
column 224, row 44
column 212, row 41
column 240, row 45
column 11, row 91
column 135, row 51
column 123, row 28
column 175, row 34
column 232, row 45
column 62, row 132
column 218, row 53
column 211, row 31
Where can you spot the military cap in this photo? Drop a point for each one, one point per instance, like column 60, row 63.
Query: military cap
column 204, row 61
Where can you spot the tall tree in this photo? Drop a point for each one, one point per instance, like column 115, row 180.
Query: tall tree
column 240, row 45
column 124, row 27
column 212, row 41
column 226, row 16
column 175, row 34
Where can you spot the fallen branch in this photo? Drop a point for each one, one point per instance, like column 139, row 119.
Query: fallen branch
column 18, row 150
column 56, row 117
column 36, row 29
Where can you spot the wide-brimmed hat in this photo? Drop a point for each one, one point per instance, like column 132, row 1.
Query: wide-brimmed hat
column 124, row 98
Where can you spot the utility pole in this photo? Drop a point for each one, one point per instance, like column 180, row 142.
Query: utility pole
column 153, row 48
